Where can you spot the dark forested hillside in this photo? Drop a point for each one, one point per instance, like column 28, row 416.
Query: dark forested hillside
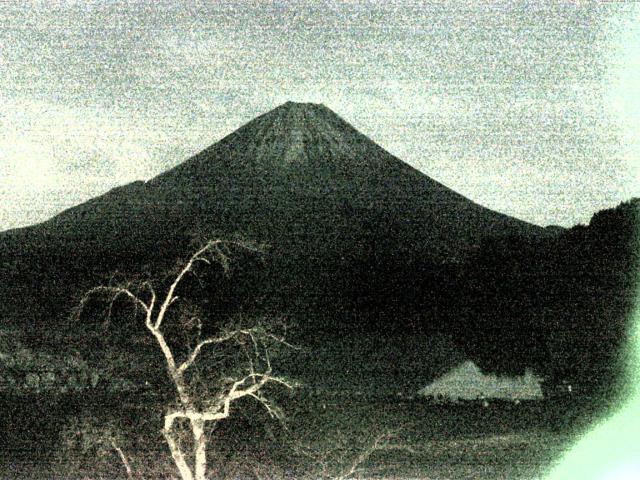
column 561, row 304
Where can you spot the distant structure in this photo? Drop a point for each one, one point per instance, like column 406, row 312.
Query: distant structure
column 467, row 382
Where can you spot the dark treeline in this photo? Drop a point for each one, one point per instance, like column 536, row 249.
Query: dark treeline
column 560, row 304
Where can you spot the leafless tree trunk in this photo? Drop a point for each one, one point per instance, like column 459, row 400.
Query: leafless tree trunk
column 190, row 409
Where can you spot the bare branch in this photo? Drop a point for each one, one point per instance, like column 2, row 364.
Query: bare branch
column 115, row 292
column 196, row 351
column 252, row 333
column 202, row 259
column 123, row 458
column 381, row 442
column 326, row 458
column 176, row 453
column 254, row 342
column 271, row 408
column 280, row 339
column 152, row 291
column 214, row 244
column 236, row 392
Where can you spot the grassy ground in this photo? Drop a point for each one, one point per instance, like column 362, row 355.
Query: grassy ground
column 442, row 442
column 323, row 436
column 524, row 455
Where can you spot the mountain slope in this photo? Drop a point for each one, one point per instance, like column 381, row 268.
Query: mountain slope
column 299, row 178
column 304, row 158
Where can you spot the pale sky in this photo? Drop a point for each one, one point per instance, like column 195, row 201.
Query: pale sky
column 529, row 108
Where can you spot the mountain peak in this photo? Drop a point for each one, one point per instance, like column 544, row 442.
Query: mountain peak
column 293, row 133
column 301, row 112
column 303, row 161
column 307, row 111
column 300, row 105
column 290, row 107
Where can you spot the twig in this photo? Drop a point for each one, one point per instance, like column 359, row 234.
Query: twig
column 123, row 459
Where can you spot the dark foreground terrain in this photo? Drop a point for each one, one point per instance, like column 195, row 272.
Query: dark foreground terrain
column 323, row 436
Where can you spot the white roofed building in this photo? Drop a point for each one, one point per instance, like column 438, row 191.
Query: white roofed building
column 467, row 382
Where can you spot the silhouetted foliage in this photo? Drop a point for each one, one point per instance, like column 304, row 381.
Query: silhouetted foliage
column 560, row 304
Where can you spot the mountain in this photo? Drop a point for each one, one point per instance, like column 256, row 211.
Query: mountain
column 332, row 205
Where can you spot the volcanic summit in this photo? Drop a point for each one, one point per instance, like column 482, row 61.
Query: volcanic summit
column 298, row 178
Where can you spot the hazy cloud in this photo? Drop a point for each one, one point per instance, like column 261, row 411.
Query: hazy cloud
column 104, row 92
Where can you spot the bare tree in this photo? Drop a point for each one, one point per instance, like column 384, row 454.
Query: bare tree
column 193, row 407
column 341, row 462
